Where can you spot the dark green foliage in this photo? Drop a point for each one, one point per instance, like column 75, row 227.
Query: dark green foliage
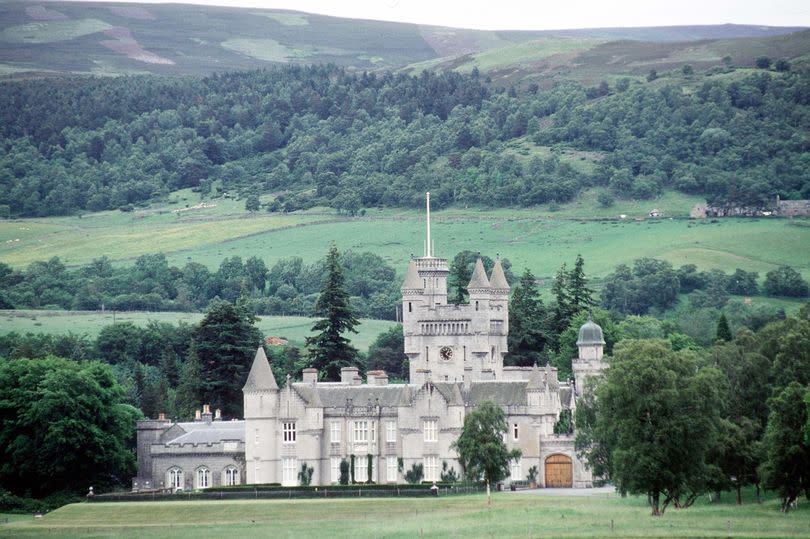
column 782, row 65
column 654, row 447
column 763, row 62
column 482, row 452
column 252, row 203
column 565, row 423
column 527, row 324
column 786, row 468
column 650, row 284
column 387, row 353
column 415, row 474
column 344, row 472
column 723, row 331
column 132, row 140
column 151, row 284
column 785, row 281
column 329, row 350
column 305, row 475
column 743, row 283
column 225, row 342
column 578, row 290
column 449, row 474
column 63, row 427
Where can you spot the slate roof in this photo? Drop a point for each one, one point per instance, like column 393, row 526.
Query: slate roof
column 336, row 396
column 498, row 279
column 261, row 376
column 479, row 276
column 504, row 393
column 412, row 281
column 202, row 432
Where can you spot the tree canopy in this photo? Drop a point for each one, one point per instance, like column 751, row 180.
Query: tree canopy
column 63, row 427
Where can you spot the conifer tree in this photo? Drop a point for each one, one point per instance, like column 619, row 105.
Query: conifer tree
column 723, row 331
column 189, row 392
column 329, row 350
column 561, row 311
column 579, row 292
column 527, row 331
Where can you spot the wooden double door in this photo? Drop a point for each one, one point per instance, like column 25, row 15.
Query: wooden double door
column 559, row 472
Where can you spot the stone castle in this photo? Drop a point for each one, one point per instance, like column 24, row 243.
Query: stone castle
column 456, row 355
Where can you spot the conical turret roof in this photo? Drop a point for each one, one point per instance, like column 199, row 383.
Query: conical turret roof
column 261, row 376
column 498, row 279
column 479, row 276
column 535, row 379
column 412, row 281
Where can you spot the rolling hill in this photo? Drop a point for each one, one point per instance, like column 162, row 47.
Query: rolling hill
column 106, row 38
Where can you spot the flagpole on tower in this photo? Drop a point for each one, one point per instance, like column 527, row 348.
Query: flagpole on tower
column 428, row 245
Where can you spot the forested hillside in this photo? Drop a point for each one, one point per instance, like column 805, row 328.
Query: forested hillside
column 327, row 136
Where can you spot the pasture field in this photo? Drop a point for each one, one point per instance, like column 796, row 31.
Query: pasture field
column 511, row 515
column 293, row 328
column 537, row 238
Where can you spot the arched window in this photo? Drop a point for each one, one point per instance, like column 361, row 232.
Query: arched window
column 231, row 476
column 174, row 478
column 203, row 478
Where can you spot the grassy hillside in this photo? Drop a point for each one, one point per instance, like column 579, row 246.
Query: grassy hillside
column 592, row 57
column 293, row 328
column 538, row 238
column 117, row 38
column 511, row 515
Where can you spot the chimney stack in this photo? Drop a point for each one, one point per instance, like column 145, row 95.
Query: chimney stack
column 377, row 378
column 206, row 413
column 217, row 415
column 161, row 416
column 197, row 416
column 310, row 376
column 348, row 375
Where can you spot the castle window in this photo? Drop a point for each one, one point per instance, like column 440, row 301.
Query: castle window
column 391, row 432
column 476, row 305
column 334, row 469
column 288, row 433
column 431, row 464
column 515, row 431
column 515, row 470
column 289, row 468
column 334, row 434
column 231, row 475
column 410, row 307
column 361, row 431
column 391, row 469
column 429, row 426
column 361, row 468
column 203, row 478
column 175, row 478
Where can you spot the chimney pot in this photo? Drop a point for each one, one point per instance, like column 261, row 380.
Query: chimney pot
column 161, row 416
column 310, row 376
column 197, row 416
column 217, row 415
column 206, row 408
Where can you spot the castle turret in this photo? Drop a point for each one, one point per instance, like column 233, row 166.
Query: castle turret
column 261, row 412
column 591, row 344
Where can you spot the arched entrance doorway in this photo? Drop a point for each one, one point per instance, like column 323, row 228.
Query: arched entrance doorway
column 559, row 472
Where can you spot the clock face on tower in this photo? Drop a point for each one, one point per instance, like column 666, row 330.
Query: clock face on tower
column 446, row 353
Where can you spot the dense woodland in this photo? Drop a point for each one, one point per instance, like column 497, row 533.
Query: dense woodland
column 323, row 135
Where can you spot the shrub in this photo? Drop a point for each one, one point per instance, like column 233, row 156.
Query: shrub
column 785, row 281
column 415, row 474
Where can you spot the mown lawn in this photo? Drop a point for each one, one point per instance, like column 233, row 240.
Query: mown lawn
column 511, row 515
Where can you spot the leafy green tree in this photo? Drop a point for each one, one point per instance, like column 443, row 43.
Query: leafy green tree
column 763, row 62
column 252, row 203
column 329, row 350
column 723, row 330
column 415, row 474
column 786, row 281
column 481, row 448
column 527, row 323
column 225, row 342
column 644, row 394
column 786, row 468
column 743, row 283
column 387, row 352
column 63, row 427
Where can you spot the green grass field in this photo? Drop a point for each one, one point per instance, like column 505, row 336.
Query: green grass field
column 293, row 328
column 511, row 515
column 537, row 238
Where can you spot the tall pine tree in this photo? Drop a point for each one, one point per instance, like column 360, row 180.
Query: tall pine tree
column 329, row 350
column 579, row 292
column 527, row 323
